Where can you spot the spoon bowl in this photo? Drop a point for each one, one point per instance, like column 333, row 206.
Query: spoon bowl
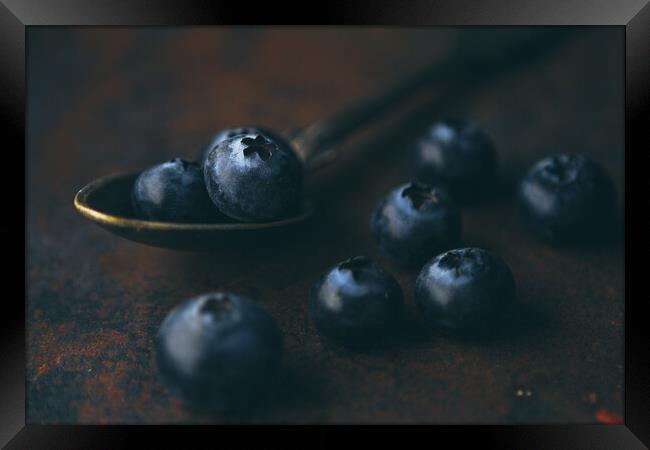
column 105, row 202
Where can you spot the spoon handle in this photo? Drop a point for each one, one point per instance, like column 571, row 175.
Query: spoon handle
column 473, row 60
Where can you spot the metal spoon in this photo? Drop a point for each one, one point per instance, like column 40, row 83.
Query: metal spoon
column 106, row 201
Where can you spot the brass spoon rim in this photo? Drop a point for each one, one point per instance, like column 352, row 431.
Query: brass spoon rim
column 81, row 205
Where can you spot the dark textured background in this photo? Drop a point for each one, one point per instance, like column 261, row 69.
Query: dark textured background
column 111, row 100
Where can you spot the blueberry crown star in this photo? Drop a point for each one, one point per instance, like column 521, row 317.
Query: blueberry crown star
column 263, row 147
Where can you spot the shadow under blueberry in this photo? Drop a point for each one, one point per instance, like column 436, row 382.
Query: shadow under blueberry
column 292, row 388
column 517, row 322
column 605, row 237
column 520, row 321
column 610, row 237
column 250, row 246
column 405, row 333
column 376, row 346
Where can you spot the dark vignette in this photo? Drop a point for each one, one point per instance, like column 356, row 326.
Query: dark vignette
column 381, row 12
column 12, row 118
column 637, row 359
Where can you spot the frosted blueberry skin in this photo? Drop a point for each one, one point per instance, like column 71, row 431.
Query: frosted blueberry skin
column 254, row 178
column 415, row 222
column 356, row 303
column 174, row 191
column 457, row 154
column 218, row 352
column 463, row 292
column 231, row 132
column 567, row 198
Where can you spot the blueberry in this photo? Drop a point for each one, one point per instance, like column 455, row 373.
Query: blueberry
column 567, row 198
column 464, row 291
column 231, row 132
column 457, row 154
column 254, row 178
column 356, row 302
column 174, row 191
column 415, row 222
column 218, row 352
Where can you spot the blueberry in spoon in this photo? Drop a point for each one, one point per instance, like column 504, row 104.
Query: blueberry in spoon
column 254, row 177
column 174, row 191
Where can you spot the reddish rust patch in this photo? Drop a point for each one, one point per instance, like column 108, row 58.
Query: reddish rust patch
column 52, row 349
column 104, row 394
column 608, row 417
column 40, row 370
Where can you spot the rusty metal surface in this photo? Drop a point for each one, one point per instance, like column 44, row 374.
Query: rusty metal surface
column 117, row 100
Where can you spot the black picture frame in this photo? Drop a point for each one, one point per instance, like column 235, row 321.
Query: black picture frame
column 633, row 15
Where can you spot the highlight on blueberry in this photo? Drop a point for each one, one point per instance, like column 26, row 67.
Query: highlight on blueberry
column 457, row 154
column 231, row 132
column 218, row 352
column 415, row 222
column 464, row 292
column 174, row 191
column 356, row 302
column 567, row 198
column 254, row 178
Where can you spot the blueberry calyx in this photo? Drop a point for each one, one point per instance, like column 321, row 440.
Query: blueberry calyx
column 184, row 163
column 451, row 260
column 216, row 306
column 562, row 171
column 356, row 266
column 419, row 194
column 259, row 145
